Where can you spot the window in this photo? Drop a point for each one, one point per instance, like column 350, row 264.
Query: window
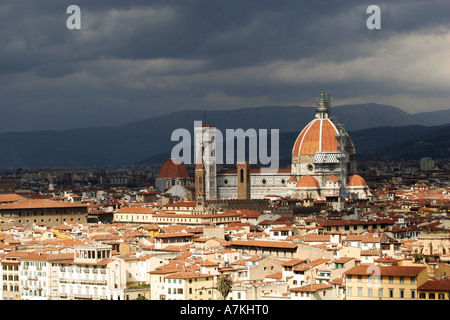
column 402, row 280
column 380, row 293
column 370, row 292
column 441, row 296
column 431, row 296
column 413, row 280
column 402, row 293
column 413, row 294
column 391, row 293
column 349, row 291
column 422, row 295
column 359, row 292
column 391, row 279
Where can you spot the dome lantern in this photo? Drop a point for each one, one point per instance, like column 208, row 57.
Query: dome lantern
column 323, row 106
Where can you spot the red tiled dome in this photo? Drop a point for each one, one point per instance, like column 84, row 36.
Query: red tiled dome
column 333, row 178
column 318, row 136
column 356, row 181
column 307, row 182
column 173, row 169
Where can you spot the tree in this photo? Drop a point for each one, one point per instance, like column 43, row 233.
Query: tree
column 224, row 285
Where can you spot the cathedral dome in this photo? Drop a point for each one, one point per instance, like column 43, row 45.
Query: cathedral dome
column 173, row 169
column 356, row 181
column 318, row 136
column 307, row 182
column 322, row 143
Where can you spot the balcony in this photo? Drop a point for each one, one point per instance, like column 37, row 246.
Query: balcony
column 88, row 282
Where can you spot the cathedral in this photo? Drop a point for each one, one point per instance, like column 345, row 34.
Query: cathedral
column 323, row 168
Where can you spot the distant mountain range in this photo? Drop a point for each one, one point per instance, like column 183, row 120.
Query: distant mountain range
column 382, row 143
column 375, row 129
column 434, row 118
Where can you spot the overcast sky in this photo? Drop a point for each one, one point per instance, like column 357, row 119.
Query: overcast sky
column 137, row 59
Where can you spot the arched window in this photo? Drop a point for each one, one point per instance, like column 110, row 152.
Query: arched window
column 242, row 175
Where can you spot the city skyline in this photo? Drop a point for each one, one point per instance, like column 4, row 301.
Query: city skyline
column 139, row 59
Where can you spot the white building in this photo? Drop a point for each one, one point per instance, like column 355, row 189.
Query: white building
column 38, row 274
column 92, row 274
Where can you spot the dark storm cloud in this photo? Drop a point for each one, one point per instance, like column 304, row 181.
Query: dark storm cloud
column 134, row 59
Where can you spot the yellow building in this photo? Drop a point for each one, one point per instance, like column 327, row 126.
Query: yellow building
column 372, row 282
column 435, row 289
column 176, row 284
column 190, row 286
column 9, row 269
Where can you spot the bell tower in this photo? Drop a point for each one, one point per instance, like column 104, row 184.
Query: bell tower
column 205, row 153
column 243, row 180
column 200, row 185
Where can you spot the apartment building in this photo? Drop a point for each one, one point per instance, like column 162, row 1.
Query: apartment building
column 307, row 273
column 315, row 291
column 9, row 275
column 139, row 266
column 435, row 289
column 190, row 286
column 370, row 282
column 355, row 226
column 279, row 249
column 38, row 275
column 92, row 274
column 157, row 282
column 52, row 213
column 135, row 215
column 195, row 220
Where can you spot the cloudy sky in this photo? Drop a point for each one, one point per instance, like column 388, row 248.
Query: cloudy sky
column 137, row 59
